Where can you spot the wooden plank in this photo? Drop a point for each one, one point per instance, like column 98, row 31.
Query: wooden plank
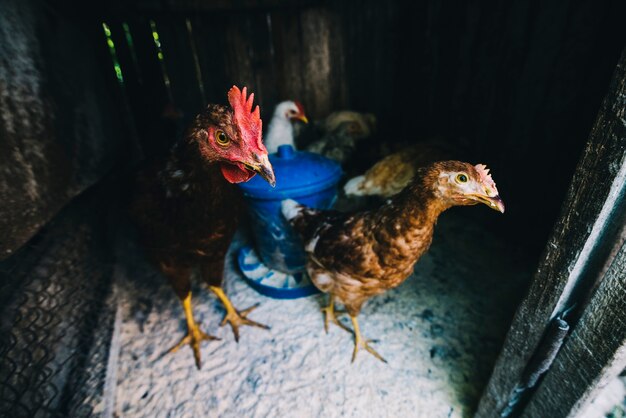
column 208, row 33
column 59, row 128
column 592, row 356
column 258, row 31
column 238, row 52
column 370, row 35
column 179, row 62
column 147, row 93
column 319, row 87
column 587, row 210
column 288, row 59
column 195, row 6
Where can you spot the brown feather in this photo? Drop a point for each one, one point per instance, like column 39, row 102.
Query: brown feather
column 359, row 255
column 185, row 210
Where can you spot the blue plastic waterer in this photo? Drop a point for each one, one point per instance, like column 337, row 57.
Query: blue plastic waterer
column 275, row 266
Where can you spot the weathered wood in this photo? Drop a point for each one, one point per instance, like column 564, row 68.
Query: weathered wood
column 179, row 61
column 212, row 51
column 592, row 356
column 258, row 31
column 59, row 129
column 590, row 203
column 319, row 86
column 194, row 6
column 143, row 81
column 286, row 41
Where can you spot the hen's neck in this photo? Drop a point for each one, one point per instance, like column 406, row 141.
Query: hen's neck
column 279, row 132
column 186, row 171
column 406, row 222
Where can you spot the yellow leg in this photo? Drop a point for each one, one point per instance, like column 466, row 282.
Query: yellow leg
column 194, row 334
column 234, row 317
column 360, row 342
column 329, row 315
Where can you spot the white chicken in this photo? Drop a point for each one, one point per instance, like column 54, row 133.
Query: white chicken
column 280, row 130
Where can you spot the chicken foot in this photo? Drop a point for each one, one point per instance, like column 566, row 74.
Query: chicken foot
column 329, row 315
column 359, row 341
column 234, row 317
column 194, row 334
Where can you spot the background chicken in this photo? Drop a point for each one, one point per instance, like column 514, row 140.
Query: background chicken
column 186, row 208
column 337, row 135
column 364, row 123
column 354, row 256
column 280, row 130
column 339, row 144
column 394, row 172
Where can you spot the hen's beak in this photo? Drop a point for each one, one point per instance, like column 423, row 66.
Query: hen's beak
column 263, row 167
column 494, row 202
column 302, row 117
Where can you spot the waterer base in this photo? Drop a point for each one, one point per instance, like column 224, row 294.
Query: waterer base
column 272, row 283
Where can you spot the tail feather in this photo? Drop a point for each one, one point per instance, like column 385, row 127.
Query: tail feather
column 291, row 209
column 304, row 220
column 354, row 186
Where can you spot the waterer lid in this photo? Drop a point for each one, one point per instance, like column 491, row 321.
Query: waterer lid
column 297, row 173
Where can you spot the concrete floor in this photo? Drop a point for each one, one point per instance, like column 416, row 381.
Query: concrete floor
column 440, row 332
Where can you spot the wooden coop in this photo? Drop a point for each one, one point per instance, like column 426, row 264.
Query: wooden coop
column 521, row 314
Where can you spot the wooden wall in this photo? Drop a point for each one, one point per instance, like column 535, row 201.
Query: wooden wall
column 518, row 84
column 59, row 131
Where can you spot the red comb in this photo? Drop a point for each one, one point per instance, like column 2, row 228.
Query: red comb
column 249, row 121
column 300, row 107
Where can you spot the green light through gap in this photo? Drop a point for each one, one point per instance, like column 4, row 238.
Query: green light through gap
column 127, row 34
column 161, row 57
column 155, row 35
column 196, row 60
column 116, row 64
column 131, row 47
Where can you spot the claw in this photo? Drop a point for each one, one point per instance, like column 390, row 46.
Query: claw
column 360, row 342
column 194, row 334
column 234, row 317
column 368, row 348
column 194, row 337
column 238, row 318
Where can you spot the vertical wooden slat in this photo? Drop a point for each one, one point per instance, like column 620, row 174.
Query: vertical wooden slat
column 370, row 35
column 286, row 38
column 119, row 91
column 144, row 85
column 179, row 61
column 259, row 36
column 593, row 355
column 575, row 241
column 209, row 30
column 239, row 51
column 319, row 86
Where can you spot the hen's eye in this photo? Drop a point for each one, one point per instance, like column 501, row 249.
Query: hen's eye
column 222, row 138
column 461, row 178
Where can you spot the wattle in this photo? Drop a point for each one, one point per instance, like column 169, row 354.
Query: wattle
column 236, row 173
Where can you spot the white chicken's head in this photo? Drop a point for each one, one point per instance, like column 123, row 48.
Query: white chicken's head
column 291, row 110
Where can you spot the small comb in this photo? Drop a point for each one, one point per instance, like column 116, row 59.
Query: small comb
column 299, row 106
column 249, row 121
column 485, row 177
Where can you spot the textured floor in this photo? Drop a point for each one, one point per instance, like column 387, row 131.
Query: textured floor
column 440, row 332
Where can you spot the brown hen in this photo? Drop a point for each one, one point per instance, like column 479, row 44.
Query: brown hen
column 187, row 207
column 354, row 256
column 395, row 171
